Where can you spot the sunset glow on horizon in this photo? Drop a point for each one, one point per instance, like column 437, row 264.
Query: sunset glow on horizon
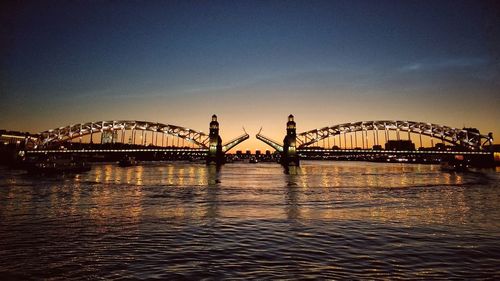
column 252, row 63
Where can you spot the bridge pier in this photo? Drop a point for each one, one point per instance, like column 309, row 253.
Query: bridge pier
column 289, row 156
column 215, row 154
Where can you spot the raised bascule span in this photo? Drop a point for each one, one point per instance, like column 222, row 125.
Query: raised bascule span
column 234, row 142
column 274, row 144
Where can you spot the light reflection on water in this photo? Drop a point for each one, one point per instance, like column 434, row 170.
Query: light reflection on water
column 185, row 220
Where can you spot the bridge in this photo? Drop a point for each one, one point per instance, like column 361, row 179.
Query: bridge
column 163, row 138
column 354, row 139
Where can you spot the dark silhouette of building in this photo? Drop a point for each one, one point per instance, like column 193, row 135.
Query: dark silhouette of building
column 400, row 145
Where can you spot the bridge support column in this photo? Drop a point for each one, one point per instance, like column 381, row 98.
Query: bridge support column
column 289, row 156
column 215, row 154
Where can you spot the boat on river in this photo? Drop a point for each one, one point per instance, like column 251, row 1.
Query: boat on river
column 128, row 161
column 456, row 163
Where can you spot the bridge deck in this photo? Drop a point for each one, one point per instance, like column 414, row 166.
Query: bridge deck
column 203, row 150
column 198, row 150
column 361, row 151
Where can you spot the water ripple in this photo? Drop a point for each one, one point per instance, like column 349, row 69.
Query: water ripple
column 181, row 221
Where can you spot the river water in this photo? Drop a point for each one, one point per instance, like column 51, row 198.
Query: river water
column 325, row 220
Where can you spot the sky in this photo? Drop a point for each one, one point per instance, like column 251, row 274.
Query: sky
column 250, row 62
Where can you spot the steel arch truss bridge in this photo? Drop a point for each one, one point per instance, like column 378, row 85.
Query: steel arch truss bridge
column 71, row 132
column 469, row 139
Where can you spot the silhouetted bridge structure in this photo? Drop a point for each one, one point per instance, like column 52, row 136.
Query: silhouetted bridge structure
column 354, row 139
column 179, row 140
column 357, row 138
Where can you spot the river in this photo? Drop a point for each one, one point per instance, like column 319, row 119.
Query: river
column 324, row 220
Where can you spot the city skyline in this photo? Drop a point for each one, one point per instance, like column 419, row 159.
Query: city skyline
column 252, row 63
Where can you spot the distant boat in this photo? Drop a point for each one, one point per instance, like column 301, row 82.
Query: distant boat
column 456, row 163
column 127, row 162
column 58, row 166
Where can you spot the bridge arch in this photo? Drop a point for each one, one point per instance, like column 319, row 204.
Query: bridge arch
column 71, row 132
column 470, row 139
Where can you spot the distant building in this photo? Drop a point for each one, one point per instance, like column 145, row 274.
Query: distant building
column 15, row 137
column 400, row 145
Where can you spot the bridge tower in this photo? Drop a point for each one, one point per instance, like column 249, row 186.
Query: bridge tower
column 289, row 156
column 215, row 154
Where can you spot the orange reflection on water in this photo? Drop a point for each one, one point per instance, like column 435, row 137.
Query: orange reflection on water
column 406, row 194
column 444, row 195
column 128, row 176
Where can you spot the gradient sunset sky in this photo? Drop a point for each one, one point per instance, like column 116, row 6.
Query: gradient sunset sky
column 250, row 62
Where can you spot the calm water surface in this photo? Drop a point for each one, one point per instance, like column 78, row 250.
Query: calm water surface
column 327, row 220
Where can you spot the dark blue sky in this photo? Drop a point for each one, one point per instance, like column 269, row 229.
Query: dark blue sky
column 179, row 61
